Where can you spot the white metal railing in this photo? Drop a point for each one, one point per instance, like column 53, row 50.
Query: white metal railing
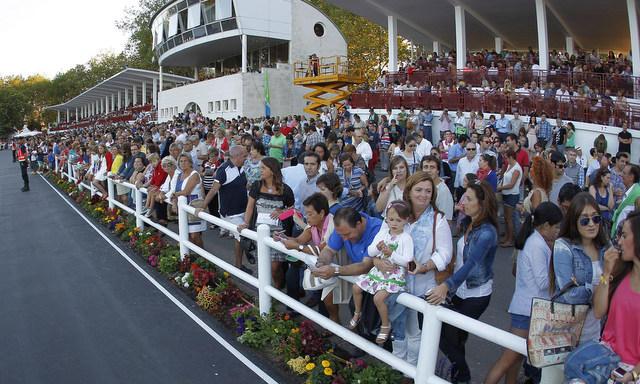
column 434, row 316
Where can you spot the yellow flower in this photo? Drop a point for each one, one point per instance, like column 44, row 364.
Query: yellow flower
column 326, row 363
column 310, row 366
column 295, row 330
column 328, row 371
column 130, row 234
column 226, row 274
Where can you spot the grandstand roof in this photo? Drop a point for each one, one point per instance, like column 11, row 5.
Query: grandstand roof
column 593, row 24
column 118, row 82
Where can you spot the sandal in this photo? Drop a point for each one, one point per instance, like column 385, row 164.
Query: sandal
column 383, row 336
column 355, row 320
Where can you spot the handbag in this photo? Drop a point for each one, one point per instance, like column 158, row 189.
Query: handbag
column 312, row 283
column 443, row 275
column 197, row 204
column 555, row 329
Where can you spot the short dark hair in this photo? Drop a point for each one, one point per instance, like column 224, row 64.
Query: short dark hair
column 312, row 154
column 332, row 182
column 318, row 202
column 347, row 215
column 635, row 172
column 463, row 138
column 557, row 156
column 513, row 137
column 430, row 158
column 567, row 192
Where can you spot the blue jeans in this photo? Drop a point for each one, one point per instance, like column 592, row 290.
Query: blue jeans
column 427, row 132
column 591, row 362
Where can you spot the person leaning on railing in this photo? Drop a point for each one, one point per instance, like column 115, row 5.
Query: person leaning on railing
column 170, row 166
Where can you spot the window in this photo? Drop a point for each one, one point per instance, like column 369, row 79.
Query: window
column 209, row 11
column 217, row 106
column 233, row 104
column 210, row 107
column 318, row 29
column 225, row 105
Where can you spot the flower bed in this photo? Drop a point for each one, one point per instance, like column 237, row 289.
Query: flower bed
column 296, row 343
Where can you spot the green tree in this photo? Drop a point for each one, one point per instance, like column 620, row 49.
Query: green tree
column 14, row 106
column 137, row 22
column 367, row 41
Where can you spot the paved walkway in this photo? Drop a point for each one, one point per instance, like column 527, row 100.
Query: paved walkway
column 75, row 310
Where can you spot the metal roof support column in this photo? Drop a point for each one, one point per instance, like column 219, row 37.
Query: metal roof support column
column 77, row 117
column 569, row 46
column 635, row 37
column 195, row 73
column 144, row 93
column 113, row 102
column 498, row 44
column 119, row 99
column 461, row 38
column 436, row 47
column 107, row 109
column 154, row 92
column 126, row 97
column 244, row 53
column 135, row 95
column 161, row 84
column 392, row 33
column 68, row 115
column 58, row 119
column 543, row 36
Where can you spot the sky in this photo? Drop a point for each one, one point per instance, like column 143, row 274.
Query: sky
column 50, row 36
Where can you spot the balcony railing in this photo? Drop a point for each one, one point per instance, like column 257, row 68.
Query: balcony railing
column 213, row 28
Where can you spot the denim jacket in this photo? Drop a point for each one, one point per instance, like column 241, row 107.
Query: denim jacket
column 479, row 253
column 569, row 261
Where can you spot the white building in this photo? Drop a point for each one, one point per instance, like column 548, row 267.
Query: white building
column 239, row 44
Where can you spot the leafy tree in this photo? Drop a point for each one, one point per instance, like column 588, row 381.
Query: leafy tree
column 14, row 106
column 137, row 22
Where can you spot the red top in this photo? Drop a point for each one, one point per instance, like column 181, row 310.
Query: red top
column 622, row 330
column 109, row 158
column 158, row 176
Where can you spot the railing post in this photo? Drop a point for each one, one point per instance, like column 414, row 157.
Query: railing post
column 56, row 163
column 183, row 226
column 264, row 269
column 70, row 172
column 110, row 192
column 139, row 222
column 92, row 188
column 429, row 341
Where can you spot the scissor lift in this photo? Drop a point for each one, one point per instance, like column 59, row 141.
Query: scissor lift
column 328, row 78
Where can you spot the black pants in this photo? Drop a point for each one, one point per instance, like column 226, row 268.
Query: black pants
column 14, row 155
column 453, row 340
column 213, row 205
column 24, row 167
column 161, row 211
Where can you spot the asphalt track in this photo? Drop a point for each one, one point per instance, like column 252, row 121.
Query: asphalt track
column 75, row 310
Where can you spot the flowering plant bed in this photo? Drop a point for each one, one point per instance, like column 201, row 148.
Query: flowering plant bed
column 297, row 344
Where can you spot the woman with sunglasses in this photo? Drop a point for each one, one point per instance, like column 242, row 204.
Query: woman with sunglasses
column 578, row 255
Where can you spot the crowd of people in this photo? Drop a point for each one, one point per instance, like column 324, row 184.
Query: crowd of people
column 373, row 197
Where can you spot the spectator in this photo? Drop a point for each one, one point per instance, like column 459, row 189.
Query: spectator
column 602, row 192
column 277, row 144
column 189, row 184
column 630, row 178
column 559, row 178
column 542, row 179
column 625, row 139
column 444, row 200
column 577, row 257
column 472, row 282
column 268, row 199
column 535, row 241
column 572, row 169
column 567, row 192
column 307, row 187
column 468, row 164
column 391, row 188
column 355, row 182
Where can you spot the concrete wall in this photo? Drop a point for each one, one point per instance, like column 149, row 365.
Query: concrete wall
column 585, row 132
column 304, row 41
column 266, row 18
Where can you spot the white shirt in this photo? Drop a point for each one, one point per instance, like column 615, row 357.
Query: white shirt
column 424, row 148
column 182, row 138
column 293, row 176
column 444, row 200
column 466, row 166
column 364, row 150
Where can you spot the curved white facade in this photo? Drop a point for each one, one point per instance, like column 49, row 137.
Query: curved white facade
column 255, row 32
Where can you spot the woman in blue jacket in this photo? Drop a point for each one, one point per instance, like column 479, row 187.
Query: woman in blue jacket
column 578, row 254
column 472, row 280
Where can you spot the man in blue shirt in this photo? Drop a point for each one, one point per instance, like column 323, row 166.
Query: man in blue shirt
column 457, row 152
column 503, row 126
column 354, row 231
column 544, row 132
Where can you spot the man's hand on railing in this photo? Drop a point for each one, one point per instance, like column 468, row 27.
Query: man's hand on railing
column 242, row 226
column 324, row 272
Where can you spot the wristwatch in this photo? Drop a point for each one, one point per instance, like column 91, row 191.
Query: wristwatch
column 337, row 270
column 300, row 247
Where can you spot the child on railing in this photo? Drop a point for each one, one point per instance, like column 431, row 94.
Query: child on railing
column 394, row 243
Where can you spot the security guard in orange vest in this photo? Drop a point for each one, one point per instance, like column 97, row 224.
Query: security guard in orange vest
column 23, row 158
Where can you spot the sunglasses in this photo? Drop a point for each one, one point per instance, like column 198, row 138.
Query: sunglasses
column 584, row 221
column 471, row 149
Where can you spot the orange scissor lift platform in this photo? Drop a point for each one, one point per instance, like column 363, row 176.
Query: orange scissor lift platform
column 327, row 77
